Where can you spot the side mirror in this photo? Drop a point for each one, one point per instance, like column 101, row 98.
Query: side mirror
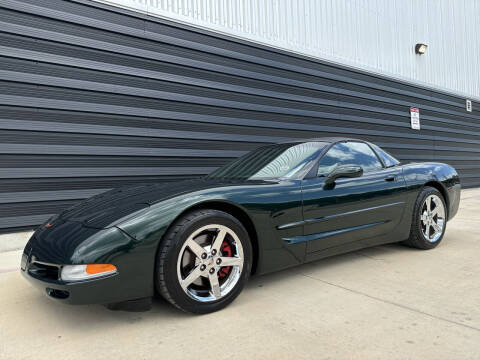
column 348, row 171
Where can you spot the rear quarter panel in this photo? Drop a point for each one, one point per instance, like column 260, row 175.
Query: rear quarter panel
column 417, row 175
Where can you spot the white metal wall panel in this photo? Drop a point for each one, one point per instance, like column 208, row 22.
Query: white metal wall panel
column 374, row 35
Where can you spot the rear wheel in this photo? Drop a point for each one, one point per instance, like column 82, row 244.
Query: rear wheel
column 429, row 220
column 204, row 261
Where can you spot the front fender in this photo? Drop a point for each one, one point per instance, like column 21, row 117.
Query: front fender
column 151, row 224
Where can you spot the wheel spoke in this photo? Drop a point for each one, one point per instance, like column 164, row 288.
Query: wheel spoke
column 219, row 240
column 196, row 249
column 429, row 204
column 194, row 275
column 231, row 261
column 438, row 211
column 214, row 285
column 436, row 228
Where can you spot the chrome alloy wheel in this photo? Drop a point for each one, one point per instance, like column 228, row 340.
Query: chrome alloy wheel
column 210, row 263
column 433, row 218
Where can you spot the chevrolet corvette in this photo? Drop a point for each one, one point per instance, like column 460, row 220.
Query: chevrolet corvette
column 197, row 242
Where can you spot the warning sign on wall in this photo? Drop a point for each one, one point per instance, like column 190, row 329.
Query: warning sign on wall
column 415, row 118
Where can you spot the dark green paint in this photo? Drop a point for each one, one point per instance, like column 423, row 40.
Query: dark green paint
column 295, row 220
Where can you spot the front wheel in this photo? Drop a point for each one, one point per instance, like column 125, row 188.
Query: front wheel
column 429, row 220
column 203, row 261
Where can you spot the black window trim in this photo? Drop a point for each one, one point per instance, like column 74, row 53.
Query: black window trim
column 381, row 160
column 384, row 166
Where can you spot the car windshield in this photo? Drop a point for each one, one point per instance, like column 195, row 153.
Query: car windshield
column 270, row 162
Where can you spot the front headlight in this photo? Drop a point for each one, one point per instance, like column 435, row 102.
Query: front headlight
column 85, row 272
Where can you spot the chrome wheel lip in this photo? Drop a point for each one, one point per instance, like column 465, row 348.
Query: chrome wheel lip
column 205, row 264
column 432, row 218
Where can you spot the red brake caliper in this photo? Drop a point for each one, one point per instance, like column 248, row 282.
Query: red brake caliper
column 226, row 250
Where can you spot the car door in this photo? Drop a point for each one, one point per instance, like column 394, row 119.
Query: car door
column 352, row 209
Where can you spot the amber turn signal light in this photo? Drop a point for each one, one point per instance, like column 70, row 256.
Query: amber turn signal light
column 100, row 268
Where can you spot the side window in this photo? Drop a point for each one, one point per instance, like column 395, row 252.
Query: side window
column 350, row 153
column 387, row 159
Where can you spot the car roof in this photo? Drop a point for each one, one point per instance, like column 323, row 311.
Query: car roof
column 330, row 140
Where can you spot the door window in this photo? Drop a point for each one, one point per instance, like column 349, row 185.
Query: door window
column 349, row 153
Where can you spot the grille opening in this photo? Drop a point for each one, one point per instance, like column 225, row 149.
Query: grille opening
column 44, row 270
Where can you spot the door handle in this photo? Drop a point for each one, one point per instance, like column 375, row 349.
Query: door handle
column 390, row 178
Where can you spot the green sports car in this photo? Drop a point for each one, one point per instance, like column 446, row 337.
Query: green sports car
column 197, row 242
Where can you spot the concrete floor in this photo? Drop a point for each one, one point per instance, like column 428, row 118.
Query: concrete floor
column 388, row 302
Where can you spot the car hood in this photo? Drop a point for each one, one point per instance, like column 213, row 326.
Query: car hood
column 106, row 209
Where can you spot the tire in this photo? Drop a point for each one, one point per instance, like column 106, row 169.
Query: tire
column 420, row 237
column 192, row 250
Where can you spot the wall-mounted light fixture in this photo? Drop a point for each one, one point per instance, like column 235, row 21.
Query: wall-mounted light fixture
column 420, row 48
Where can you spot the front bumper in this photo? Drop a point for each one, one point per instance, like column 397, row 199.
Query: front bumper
column 72, row 243
column 102, row 290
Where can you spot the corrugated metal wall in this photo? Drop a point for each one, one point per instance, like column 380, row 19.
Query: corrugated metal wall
column 92, row 98
column 376, row 35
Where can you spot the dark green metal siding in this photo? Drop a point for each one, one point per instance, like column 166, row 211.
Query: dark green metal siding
column 93, row 97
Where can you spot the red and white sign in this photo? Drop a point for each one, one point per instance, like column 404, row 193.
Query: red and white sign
column 415, row 118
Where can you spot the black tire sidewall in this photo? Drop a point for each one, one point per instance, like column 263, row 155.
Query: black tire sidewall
column 203, row 218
